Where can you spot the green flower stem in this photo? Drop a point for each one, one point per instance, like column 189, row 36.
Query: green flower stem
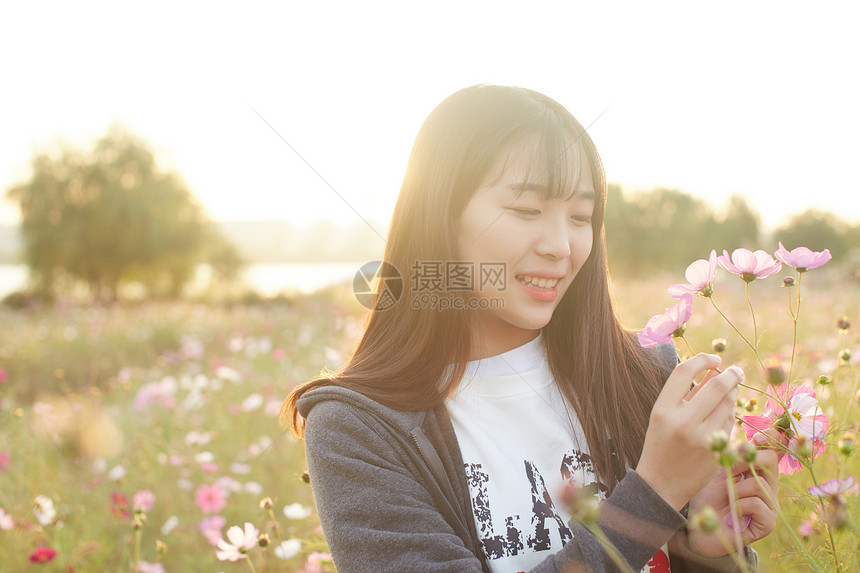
column 136, row 558
column 752, row 313
column 609, row 547
column 798, row 542
column 275, row 525
column 250, row 564
column 794, row 314
column 736, row 520
column 753, row 347
column 826, row 524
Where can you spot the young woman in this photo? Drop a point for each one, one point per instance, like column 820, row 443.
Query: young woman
column 501, row 376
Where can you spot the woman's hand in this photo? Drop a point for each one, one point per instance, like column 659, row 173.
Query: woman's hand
column 756, row 499
column 676, row 458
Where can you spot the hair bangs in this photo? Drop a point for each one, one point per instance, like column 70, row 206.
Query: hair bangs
column 552, row 160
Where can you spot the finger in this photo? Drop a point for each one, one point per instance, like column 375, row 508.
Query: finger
column 750, row 488
column 722, row 416
column 719, row 391
column 708, row 375
column 766, row 466
column 762, row 518
column 681, row 379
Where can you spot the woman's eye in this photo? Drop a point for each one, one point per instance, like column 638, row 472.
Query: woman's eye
column 582, row 219
column 525, row 212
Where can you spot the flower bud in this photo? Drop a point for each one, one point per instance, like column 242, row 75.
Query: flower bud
column 788, row 282
column 845, row 355
column 266, row 503
column 843, row 324
column 160, row 547
column 718, row 440
column 306, row 477
column 138, row 521
column 728, row 458
column 583, row 505
column 751, row 404
column 837, row 516
column 846, row 444
column 748, row 452
column 804, row 449
column 775, row 372
column 824, row 380
column 705, row 521
column 719, row 344
column 263, row 540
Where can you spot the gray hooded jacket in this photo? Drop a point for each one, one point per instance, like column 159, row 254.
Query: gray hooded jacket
column 391, row 494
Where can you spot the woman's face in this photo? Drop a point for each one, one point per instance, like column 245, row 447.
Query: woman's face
column 543, row 243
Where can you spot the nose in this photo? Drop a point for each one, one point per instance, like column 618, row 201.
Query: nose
column 554, row 241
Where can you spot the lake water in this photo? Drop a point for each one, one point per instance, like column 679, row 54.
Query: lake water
column 268, row 279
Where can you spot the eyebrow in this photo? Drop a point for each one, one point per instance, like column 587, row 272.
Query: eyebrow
column 520, row 188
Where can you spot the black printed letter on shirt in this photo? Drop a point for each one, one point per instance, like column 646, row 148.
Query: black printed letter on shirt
column 495, row 546
column 543, row 509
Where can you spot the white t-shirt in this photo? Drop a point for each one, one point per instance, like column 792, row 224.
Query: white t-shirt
column 521, row 445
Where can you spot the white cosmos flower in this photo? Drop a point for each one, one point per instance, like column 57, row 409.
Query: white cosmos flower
column 297, row 511
column 252, row 402
column 116, row 473
column 241, row 541
column 169, row 525
column 43, row 509
column 288, row 549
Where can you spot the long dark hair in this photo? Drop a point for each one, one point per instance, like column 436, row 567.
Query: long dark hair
column 404, row 357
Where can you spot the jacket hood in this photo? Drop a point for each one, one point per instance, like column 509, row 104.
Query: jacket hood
column 401, row 420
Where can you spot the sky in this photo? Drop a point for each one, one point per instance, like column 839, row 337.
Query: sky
column 307, row 110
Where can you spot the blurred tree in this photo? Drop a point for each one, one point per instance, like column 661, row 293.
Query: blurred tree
column 816, row 230
column 666, row 229
column 740, row 226
column 111, row 216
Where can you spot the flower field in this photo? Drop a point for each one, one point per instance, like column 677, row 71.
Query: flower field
column 134, row 438
column 142, row 434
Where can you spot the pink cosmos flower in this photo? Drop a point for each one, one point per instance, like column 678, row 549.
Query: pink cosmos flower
column 6, row 521
column 146, row 567
column 699, row 275
column 211, row 528
column 315, row 561
column 241, row 541
column 835, row 487
column 749, row 265
column 209, row 467
column 4, row 376
column 807, row 528
column 210, row 498
column 661, row 328
column 119, row 504
column 803, row 417
column 42, row 554
column 802, row 259
column 143, row 500
column 4, row 460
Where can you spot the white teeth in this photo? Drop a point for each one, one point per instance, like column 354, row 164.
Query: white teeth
column 538, row 282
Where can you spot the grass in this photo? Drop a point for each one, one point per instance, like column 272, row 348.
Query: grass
column 75, row 408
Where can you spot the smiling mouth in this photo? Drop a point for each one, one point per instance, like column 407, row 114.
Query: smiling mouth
column 537, row 282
